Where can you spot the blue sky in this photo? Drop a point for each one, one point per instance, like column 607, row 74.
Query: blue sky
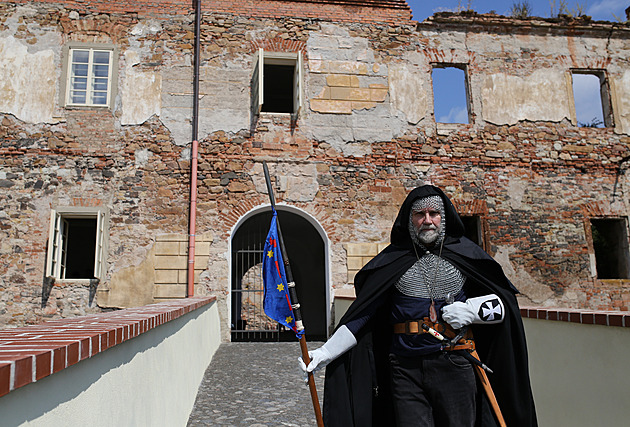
column 601, row 10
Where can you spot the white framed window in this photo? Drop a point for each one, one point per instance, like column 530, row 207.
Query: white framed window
column 77, row 243
column 89, row 72
column 277, row 82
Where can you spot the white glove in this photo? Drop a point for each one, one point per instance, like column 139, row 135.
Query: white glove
column 340, row 342
column 487, row 309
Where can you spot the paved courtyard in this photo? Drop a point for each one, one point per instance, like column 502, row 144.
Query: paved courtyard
column 256, row 385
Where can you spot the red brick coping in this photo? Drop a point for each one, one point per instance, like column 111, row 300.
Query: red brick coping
column 31, row 353
column 586, row 317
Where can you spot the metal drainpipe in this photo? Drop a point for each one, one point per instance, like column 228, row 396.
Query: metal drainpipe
column 194, row 150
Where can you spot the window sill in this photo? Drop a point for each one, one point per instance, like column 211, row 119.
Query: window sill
column 66, row 282
column 87, row 107
column 448, row 128
column 272, row 114
column 619, row 282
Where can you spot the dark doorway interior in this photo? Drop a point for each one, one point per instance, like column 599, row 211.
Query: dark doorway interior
column 306, row 252
column 472, row 225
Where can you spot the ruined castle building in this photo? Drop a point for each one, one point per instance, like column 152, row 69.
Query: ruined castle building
column 340, row 99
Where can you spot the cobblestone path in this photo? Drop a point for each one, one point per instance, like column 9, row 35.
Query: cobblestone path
column 256, row 385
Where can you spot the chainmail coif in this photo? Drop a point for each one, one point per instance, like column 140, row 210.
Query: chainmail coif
column 430, row 276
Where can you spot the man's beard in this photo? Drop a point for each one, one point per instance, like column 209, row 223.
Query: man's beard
column 427, row 235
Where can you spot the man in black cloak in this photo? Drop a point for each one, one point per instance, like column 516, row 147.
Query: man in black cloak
column 383, row 369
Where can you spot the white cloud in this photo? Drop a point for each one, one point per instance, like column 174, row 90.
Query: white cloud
column 604, row 9
column 455, row 115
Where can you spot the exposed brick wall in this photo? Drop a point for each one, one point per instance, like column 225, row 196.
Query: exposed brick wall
column 333, row 10
column 565, row 174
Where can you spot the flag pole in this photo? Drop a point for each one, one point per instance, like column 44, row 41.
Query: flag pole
column 295, row 305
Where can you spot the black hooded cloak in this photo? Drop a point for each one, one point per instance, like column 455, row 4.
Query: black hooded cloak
column 356, row 391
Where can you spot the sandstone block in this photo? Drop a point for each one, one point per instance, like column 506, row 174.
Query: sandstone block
column 324, row 94
column 378, row 95
column 170, row 291
column 331, row 106
column 166, row 276
column 340, row 80
column 578, row 148
column 355, row 263
column 360, row 105
column 171, row 262
column 167, row 248
column 347, row 67
column 362, row 249
column 318, row 66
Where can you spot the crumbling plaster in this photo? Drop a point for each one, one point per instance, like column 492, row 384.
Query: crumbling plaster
column 333, row 51
column 27, row 82
column 296, row 185
column 131, row 286
column 541, row 96
column 409, row 93
column 621, row 93
column 141, row 92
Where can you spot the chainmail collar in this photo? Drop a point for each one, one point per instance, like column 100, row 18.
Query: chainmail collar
column 431, row 277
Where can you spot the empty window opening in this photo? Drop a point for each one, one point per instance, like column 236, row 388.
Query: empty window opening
column 76, row 244
column 278, row 90
column 592, row 99
column 472, row 225
column 277, row 82
column 450, row 99
column 610, row 242
column 80, row 246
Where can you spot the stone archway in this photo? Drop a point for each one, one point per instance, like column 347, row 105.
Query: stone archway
column 308, row 256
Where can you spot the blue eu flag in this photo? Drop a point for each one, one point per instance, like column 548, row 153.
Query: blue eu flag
column 277, row 303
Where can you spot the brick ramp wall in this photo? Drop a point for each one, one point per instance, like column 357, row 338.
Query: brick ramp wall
column 577, row 363
column 142, row 364
column 578, row 368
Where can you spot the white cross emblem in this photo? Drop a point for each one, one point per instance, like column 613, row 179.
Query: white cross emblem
column 489, row 309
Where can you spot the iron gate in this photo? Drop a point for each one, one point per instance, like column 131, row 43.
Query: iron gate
column 249, row 321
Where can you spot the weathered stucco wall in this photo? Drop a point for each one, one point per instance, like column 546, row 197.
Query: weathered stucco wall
column 28, row 82
column 366, row 136
column 543, row 95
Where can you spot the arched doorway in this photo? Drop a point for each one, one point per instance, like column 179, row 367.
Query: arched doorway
column 306, row 250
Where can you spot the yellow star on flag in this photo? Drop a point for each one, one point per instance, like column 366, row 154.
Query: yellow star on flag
column 289, row 319
column 280, row 287
column 270, row 254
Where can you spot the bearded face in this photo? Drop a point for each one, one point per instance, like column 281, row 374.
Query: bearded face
column 426, row 221
column 428, row 234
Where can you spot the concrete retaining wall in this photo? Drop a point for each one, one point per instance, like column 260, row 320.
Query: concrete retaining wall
column 151, row 379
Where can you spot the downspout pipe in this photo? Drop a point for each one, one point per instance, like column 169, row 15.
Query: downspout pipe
column 190, row 291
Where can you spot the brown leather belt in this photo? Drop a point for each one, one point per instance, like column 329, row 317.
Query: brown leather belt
column 414, row 327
